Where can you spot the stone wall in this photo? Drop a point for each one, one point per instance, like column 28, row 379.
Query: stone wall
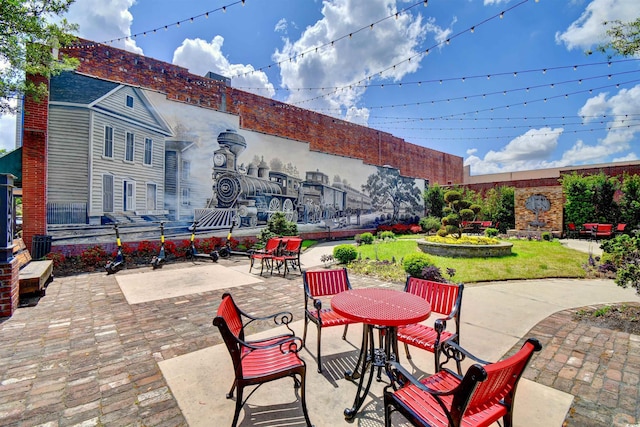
column 553, row 218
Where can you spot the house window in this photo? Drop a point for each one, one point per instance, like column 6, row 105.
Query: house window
column 108, row 141
column 185, row 197
column 186, row 169
column 148, row 151
column 107, row 193
column 129, row 101
column 128, row 149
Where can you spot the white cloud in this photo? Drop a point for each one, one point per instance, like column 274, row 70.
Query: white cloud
column 8, row 132
column 588, row 30
column 628, row 158
column 490, row 2
column 281, row 26
column 200, row 57
column 102, row 21
column 529, row 151
column 350, row 60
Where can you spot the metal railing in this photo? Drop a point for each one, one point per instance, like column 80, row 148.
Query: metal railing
column 67, row 213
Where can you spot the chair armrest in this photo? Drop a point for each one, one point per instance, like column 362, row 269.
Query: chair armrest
column 400, row 377
column 282, row 318
column 452, row 350
column 286, row 343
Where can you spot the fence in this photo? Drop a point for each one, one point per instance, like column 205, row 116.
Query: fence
column 67, row 213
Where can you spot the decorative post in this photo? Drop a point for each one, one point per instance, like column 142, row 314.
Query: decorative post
column 9, row 270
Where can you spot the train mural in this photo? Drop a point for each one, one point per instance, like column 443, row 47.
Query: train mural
column 249, row 196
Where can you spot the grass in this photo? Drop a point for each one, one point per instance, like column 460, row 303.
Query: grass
column 530, row 260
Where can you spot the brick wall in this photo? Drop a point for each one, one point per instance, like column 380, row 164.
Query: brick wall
column 323, row 133
column 9, row 287
column 552, row 217
column 34, row 167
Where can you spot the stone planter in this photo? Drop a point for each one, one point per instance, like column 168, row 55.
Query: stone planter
column 466, row 251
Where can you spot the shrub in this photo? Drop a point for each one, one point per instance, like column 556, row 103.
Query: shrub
column 546, row 236
column 384, row 235
column 430, row 223
column 344, row 254
column 366, row 238
column 94, row 256
column 433, row 273
column 491, row 232
column 415, row 263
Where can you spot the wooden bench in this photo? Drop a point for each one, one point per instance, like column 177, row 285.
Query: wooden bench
column 34, row 275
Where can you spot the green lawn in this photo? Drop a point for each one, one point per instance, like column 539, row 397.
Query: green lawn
column 530, row 260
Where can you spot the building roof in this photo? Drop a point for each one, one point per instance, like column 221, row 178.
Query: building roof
column 78, row 89
column 12, row 163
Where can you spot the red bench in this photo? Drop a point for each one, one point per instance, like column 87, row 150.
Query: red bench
column 594, row 230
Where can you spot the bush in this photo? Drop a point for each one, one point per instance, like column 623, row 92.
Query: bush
column 434, row 274
column 366, row 238
column 491, row 232
column 546, row 236
column 344, row 254
column 384, row 235
column 94, row 256
column 430, row 223
column 415, row 263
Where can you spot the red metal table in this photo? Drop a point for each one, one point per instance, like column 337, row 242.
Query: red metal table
column 377, row 308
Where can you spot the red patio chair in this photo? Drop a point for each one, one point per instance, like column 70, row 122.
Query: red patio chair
column 482, row 397
column 266, row 254
column 260, row 361
column 289, row 256
column 319, row 284
column 445, row 299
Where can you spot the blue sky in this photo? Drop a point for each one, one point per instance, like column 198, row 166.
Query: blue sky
column 506, row 91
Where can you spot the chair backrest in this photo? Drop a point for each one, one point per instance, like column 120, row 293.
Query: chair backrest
column 443, row 297
column 272, row 244
column 229, row 323
column 293, row 246
column 325, row 282
column 571, row 226
column 485, row 386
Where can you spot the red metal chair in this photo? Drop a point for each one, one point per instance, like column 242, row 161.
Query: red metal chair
column 288, row 256
column 260, row 361
column 446, row 300
column 319, row 284
column 266, row 254
column 483, row 396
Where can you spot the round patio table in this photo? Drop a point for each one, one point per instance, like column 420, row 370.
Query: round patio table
column 377, row 308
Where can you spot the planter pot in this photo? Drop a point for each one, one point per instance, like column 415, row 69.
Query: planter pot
column 466, row 251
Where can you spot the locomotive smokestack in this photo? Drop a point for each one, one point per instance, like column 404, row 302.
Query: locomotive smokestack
column 233, row 141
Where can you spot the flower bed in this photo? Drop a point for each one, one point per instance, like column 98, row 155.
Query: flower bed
column 466, row 250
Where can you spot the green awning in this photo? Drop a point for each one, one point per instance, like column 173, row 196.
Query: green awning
column 12, row 163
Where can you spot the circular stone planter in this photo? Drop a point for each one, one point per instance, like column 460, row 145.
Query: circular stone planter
column 466, row 251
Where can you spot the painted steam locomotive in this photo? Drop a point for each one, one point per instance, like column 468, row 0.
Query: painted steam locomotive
column 248, row 197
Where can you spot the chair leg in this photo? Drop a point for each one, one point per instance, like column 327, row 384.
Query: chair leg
column 319, row 360
column 406, row 350
column 344, row 334
column 303, row 399
column 234, row 423
column 304, row 331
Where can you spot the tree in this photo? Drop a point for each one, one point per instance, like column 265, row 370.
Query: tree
column 388, row 187
column 27, row 40
column 630, row 202
column 624, row 38
column 590, row 198
column 434, row 200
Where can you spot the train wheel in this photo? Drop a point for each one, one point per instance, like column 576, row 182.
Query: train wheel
column 287, row 208
column 253, row 221
column 274, row 206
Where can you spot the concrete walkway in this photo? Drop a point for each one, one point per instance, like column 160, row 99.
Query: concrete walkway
column 86, row 355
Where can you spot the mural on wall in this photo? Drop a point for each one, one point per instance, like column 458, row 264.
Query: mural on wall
column 220, row 175
column 118, row 153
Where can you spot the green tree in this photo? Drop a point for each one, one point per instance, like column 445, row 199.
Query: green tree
column 590, row 198
column 28, row 36
column 388, row 187
column 434, row 200
column 457, row 210
column 630, row 202
column 277, row 226
column 499, row 207
column 624, row 38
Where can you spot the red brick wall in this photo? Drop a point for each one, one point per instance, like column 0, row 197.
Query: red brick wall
column 9, row 288
column 34, row 168
column 323, row 133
